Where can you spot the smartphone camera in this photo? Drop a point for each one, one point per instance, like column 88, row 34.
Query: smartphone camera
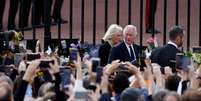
column 95, row 63
column 32, row 56
column 196, row 49
column 182, row 61
column 65, row 74
column 82, row 95
column 73, row 54
column 45, row 63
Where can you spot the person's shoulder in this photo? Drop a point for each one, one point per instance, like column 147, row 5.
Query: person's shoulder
column 120, row 45
column 136, row 45
column 105, row 45
column 169, row 47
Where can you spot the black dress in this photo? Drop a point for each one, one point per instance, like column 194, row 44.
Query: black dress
column 104, row 52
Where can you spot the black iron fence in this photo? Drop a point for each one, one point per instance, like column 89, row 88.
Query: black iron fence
column 47, row 25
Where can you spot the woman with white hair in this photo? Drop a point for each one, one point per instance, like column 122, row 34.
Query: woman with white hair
column 112, row 37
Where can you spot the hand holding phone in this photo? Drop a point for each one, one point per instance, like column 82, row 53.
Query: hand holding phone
column 32, row 56
column 45, row 63
column 65, row 77
column 182, row 61
column 95, row 63
column 196, row 49
column 73, row 54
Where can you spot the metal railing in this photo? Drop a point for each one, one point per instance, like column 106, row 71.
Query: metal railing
column 47, row 25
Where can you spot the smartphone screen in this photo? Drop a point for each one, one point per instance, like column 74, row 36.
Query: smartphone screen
column 17, row 58
column 95, row 63
column 182, row 61
column 196, row 49
column 73, row 54
column 45, row 63
column 32, row 56
column 65, row 74
column 82, row 95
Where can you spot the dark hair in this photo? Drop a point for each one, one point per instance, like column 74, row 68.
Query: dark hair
column 175, row 31
column 120, row 82
column 42, row 77
column 131, row 94
column 45, row 88
column 173, row 94
column 159, row 96
column 172, row 82
column 191, row 95
column 7, row 96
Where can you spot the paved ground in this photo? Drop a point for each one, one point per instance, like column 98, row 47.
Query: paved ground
column 123, row 18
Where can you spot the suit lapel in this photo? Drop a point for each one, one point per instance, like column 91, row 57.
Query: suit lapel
column 125, row 50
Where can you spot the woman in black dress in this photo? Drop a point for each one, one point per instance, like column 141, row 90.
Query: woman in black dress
column 111, row 38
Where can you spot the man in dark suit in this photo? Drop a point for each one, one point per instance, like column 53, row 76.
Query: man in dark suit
column 127, row 50
column 165, row 55
column 2, row 7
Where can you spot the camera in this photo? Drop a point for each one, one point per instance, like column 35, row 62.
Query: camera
column 182, row 61
column 73, row 54
column 32, row 56
column 65, row 74
column 95, row 63
column 45, row 63
column 196, row 49
column 82, row 95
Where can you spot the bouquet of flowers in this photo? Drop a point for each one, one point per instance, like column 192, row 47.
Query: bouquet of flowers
column 152, row 44
column 197, row 59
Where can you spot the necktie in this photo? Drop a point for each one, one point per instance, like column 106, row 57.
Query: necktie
column 131, row 53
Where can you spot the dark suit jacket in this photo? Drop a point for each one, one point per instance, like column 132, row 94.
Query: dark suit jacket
column 164, row 55
column 103, row 53
column 121, row 52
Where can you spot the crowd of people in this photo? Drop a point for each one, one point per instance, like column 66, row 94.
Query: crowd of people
column 24, row 8
column 117, row 74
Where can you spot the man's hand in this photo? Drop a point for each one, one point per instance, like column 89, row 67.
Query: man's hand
column 132, row 68
column 109, row 69
column 168, row 71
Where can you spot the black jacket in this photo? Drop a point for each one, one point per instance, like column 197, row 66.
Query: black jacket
column 164, row 55
column 103, row 53
column 121, row 52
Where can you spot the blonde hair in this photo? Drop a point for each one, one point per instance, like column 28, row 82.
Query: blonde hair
column 111, row 31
